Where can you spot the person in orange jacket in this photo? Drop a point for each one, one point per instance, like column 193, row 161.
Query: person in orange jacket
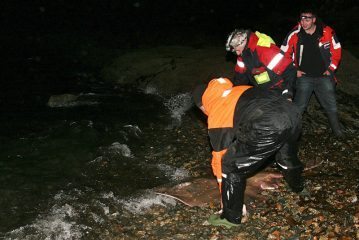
column 246, row 126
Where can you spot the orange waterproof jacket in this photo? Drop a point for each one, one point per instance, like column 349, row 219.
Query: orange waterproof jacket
column 219, row 102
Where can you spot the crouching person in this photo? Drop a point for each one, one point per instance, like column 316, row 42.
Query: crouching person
column 246, row 126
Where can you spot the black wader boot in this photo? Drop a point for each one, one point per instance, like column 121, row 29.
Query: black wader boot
column 233, row 197
column 334, row 124
column 292, row 173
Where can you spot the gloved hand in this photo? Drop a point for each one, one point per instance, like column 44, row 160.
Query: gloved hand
column 217, row 164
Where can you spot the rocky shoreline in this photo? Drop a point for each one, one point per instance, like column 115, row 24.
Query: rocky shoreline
column 327, row 209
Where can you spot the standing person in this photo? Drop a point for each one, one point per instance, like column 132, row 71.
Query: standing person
column 316, row 52
column 246, row 126
column 260, row 62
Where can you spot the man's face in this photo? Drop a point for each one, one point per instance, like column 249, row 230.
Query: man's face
column 239, row 49
column 307, row 21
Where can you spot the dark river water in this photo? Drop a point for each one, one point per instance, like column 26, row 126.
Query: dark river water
column 66, row 172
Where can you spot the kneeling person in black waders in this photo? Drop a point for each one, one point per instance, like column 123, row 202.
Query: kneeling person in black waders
column 246, row 126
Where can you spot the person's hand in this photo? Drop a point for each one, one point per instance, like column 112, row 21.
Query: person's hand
column 300, row 73
column 327, row 73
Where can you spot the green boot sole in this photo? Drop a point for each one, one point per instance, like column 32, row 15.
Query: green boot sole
column 216, row 220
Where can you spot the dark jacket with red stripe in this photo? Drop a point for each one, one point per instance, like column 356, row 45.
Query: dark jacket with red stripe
column 262, row 57
column 328, row 44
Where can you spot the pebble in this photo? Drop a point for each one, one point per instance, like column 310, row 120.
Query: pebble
column 284, row 215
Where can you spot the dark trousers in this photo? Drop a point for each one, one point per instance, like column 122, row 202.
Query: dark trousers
column 270, row 125
column 324, row 90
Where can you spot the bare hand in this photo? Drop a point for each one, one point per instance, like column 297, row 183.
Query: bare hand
column 326, row 73
column 300, row 73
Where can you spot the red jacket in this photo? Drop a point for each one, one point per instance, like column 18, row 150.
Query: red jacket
column 329, row 46
column 262, row 64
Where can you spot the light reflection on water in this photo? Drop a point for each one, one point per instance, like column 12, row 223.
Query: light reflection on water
column 66, row 172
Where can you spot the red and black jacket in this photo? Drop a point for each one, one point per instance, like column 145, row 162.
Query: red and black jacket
column 328, row 44
column 260, row 59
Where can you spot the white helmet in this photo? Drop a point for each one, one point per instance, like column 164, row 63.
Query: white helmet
column 236, row 38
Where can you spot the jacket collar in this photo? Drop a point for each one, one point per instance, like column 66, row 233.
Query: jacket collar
column 252, row 42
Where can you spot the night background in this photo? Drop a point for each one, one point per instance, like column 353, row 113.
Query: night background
column 44, row 43
column 88, row 131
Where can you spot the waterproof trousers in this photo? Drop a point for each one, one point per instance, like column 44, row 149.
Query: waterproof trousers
column 269, row 125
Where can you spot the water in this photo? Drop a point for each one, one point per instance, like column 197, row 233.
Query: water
column 68, row 172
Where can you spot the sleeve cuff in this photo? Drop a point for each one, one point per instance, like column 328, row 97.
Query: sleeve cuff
column 287, row 94
column 331, row 69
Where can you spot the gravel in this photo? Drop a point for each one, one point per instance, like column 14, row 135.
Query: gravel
column 327, row 209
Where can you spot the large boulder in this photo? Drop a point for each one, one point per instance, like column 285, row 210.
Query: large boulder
column 169, row 69
column 174, row 69
column 348, row 74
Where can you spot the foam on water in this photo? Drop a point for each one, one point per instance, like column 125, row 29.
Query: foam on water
column 108, row 195
column 178, row 105
column 116, row 149
column 140, row 204
column 174, row 174
column 75, row 214
column 149, row 89
column 55, row 225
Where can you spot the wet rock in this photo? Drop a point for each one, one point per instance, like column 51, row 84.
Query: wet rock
column 63, row 100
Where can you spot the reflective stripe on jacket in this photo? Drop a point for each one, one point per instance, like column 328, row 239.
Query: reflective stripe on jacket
column 219, row 101
column 329, row 46
column 262, row 63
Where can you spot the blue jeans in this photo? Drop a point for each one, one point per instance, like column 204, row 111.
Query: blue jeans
column 323, row 88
